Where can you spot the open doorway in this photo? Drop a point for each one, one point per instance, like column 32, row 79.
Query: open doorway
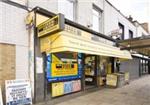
column 90, row 71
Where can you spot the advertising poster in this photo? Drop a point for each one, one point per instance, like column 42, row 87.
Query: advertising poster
column 1, row 100
column 57, row 89
column 61, row 88
column 63, row 66
column 18, row 92
column 39, row 65
column 76, row 86
column 67, row 87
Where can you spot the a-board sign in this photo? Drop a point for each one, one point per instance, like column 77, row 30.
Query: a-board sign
column 18, row 92
column 111, row 80
column 1, row 100
column 51, row 25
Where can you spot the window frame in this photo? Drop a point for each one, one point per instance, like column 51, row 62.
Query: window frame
column 130, row 34
column 121, row 26
column 100, row 17
column 74, row 9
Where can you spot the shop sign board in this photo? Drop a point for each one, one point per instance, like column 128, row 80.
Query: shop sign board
column 1, row 100
column 48, row 42
column 51, row 25
column 18, row 92
column 61, row 68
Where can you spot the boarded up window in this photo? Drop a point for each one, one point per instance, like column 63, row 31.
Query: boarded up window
column 7, row 63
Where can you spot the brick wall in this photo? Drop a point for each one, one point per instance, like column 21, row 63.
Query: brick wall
column 7, row 63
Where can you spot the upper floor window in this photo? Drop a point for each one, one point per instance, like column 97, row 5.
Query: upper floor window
column 97, row 19
column 121, row 28
column 68, row 8
column 130, row 34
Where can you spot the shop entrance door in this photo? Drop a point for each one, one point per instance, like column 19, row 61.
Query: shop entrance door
column 90, row 71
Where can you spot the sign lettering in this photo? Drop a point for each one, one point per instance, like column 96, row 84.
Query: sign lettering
column 18, row 92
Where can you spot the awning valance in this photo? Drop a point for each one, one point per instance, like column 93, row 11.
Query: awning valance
column 64, row 41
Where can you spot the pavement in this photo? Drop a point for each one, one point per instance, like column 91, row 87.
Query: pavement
column 136, row 93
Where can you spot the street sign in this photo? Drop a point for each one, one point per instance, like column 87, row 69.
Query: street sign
column 18, row 92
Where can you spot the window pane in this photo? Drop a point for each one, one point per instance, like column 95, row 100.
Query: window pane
column 96, row 20
column 67, row 8
column 95, row 23
column 95, row 12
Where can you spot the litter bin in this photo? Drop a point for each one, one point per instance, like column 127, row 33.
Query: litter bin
column 120, row 79
column 115, row 79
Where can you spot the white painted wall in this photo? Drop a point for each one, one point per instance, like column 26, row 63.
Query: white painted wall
column 111, row 19
column 141, row 31
column 13, row 31
column 113, row 16
column 22, row 2
column 22, row 62
column 50, row 5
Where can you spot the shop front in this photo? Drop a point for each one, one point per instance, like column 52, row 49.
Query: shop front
column 75, row 58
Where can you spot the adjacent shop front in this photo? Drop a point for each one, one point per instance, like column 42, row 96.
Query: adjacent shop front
column 140, row 49
column 74, row 59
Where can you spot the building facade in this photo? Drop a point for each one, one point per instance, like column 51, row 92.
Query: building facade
column 13, row 43
column 15, row 40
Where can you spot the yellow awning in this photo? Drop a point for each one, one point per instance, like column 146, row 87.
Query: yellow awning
column 64, row 41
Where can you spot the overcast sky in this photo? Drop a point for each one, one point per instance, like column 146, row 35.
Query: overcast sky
column 138, row 9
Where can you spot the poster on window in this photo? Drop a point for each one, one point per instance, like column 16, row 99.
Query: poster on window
column 63, row 66
column 57, row 89
column 18, row 92
column 1, row 100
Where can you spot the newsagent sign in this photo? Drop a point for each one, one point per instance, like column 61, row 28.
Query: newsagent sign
column 51, row 25
column 18, row 92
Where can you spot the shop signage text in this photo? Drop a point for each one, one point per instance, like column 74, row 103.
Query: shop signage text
column 79, row 32
column 18, row 92
column 51, row 25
